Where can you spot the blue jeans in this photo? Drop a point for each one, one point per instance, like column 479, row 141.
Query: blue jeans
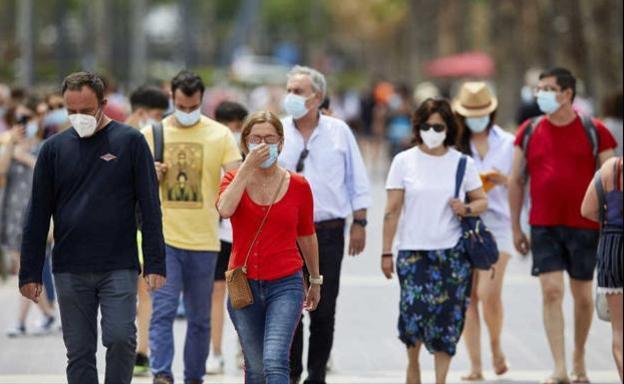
column 79, row 296
column 266, row 328
column 190, row 272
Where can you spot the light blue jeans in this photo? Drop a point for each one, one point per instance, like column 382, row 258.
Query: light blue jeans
column 266, row 328
column 190, row 272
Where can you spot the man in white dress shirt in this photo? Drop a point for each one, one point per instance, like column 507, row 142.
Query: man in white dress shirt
column 324, row 150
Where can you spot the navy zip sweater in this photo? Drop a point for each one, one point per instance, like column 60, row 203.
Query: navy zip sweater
column 90, row 187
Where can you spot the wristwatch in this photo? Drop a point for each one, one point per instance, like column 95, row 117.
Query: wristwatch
column 316, row 280
column 361, row 222
column 468, row 210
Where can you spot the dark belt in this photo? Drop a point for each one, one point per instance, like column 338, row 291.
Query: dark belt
column 330, row 224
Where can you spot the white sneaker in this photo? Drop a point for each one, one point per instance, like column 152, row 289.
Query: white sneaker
column 215, row 365
column 46, row 327
column 330, row 364
column 16, row 331
column 240, row 358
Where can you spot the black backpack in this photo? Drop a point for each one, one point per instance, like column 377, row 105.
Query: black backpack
column 159, row 149
column 590, row 130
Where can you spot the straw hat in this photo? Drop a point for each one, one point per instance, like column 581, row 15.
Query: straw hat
column 475, row 100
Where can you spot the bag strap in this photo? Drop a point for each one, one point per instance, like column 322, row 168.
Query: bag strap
column 592, row 135
column 526, row 138
column 159, row 141
column 459, row 175
column 601, row 196
column 264, row 219
column 617, row 174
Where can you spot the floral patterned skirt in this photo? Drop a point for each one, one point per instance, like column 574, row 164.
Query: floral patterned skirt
column 435, row 293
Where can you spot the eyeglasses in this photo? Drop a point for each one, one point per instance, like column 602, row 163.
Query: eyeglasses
column 300, row 162
column 435, row 127
column 268, row 139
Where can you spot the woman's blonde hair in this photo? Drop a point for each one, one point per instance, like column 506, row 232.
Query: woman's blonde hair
column 259, row 118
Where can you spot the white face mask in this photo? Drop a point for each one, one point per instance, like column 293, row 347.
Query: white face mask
column 85, row 125
column 432, row 139
column 187, row 119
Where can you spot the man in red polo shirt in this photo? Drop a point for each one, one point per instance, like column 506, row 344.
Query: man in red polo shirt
column 560, row 161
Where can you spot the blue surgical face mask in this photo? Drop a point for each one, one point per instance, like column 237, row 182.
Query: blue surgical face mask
column 187, row 119
column 547, row 101
column 31, row 129
column 294, row 105
column 56, row 118
column 273, row 153
column 478, row 124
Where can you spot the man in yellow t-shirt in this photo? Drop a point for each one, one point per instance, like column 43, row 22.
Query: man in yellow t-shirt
column 196, row 151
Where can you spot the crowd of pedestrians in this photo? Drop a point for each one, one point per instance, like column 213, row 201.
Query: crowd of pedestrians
column 262, row 209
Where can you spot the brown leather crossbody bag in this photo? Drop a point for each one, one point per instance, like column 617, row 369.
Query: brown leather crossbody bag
column 238, row 287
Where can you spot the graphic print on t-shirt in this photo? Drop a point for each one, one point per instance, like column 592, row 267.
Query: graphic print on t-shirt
column 181, row 187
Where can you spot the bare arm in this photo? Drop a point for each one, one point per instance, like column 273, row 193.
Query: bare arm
column 394, row 204
column 229, row 200
column 309, row 249
column 232, row 166
column 478, row 201
column 516, row 200
column 590, row 208
column 516, row 188
column 5, row 160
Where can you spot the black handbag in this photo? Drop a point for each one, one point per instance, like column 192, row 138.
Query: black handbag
column 477, row 241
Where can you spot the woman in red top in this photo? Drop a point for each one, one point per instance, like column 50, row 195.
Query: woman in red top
column 261, row 187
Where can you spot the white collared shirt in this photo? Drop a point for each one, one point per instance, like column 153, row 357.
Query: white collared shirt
column 334, row 167
column 499, row 156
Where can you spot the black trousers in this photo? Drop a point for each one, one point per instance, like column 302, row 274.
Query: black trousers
column 331, row 251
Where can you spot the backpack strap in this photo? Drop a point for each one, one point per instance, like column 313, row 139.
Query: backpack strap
column 526, row 138
column 159, row 141
column 592, row 135
column 459, row 175
column 601, row 197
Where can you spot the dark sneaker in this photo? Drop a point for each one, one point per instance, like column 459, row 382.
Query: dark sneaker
column 141, row 366
column 163, row 378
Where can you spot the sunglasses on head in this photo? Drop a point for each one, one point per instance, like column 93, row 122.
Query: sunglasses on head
column 300, row 162
column 435, row 127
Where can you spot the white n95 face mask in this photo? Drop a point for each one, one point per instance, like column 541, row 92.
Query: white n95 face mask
column 84, row 125
column 432, row 139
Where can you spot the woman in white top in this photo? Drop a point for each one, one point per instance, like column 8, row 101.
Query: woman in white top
column 491, row 149
column 433, row 269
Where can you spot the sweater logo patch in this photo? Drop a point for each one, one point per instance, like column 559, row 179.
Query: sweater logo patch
column 108, row 157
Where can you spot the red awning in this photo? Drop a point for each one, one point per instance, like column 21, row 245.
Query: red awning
column 469, row 64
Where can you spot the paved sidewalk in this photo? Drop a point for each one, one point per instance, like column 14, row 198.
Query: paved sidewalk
column 367, row 349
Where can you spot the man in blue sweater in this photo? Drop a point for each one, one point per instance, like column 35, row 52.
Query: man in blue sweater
column 89, row 180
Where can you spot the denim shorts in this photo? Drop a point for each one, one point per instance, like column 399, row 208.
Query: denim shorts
column 561, row 248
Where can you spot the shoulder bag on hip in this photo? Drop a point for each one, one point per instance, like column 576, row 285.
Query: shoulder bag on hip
column 236, row 279
column 478, row 241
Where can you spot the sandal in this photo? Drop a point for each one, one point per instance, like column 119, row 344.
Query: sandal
column 579, row 378
column 473, row 377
